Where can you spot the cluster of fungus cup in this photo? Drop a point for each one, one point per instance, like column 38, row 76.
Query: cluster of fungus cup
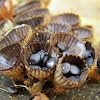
column 36, row 47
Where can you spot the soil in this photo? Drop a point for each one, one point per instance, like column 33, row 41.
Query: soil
column 89, row 91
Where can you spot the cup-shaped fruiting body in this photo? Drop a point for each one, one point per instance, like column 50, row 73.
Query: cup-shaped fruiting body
column 19, row 33
column 11, row 63
column 6, row 9
column 35, row 21
column 40, row 59
column 4, row 27
column 31, row 13
column 40, row 96
column 55, row 27
column 83, row 33
column 67, row 18
column 91, row 58
column 71, row 72
column 68, row 44
column 41, row 36
column 27, row 6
